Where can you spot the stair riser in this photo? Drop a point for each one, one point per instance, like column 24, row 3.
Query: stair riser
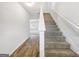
column 53, row 33
column 50, row 24
column 55, row 39
column 57, row 46
column 58, row 55
column 54, row 26
column 52, row 29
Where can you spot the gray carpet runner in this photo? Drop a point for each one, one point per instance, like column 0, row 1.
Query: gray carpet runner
column 55, row 42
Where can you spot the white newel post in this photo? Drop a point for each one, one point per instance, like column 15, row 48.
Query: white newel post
column 41, row 34
column 42, row 44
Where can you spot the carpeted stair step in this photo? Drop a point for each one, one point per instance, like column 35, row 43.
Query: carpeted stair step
column 55, row 39
column 51, row 26
column 52, row 29
column 50, row 45
column 60, row 53
column 53, row 33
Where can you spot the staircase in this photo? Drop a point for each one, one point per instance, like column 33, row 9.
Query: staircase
column 55, row 43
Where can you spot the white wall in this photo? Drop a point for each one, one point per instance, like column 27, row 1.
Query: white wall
column 64, row 13
column 14, row 26
column 35, row 8
column 46, row 7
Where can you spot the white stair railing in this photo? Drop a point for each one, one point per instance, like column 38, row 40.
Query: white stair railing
column 42, row 30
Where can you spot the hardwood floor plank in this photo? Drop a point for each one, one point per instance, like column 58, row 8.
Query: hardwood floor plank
column 28, row 49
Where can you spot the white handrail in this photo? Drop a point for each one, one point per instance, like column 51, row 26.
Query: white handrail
column 41, row 21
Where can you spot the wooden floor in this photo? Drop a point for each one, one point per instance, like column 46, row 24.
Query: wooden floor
column 30, row 48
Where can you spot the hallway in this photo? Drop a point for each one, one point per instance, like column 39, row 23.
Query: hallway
column 55, row 43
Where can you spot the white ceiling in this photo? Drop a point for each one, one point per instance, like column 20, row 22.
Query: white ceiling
column 32, row 9
column 35, row 9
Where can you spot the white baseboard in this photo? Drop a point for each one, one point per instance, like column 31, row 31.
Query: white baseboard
column 19, row 45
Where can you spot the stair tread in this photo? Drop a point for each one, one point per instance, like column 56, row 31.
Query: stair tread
column 60, row 52
column 51, row 26
column 51, row 37
column 56, row 45
column 56, row 36
column 54, row 31
column 54, row 39
column 58, row 42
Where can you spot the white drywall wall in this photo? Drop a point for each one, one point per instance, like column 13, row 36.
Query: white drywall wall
column 64, row 12
column 46, row 6
column 14, row 26
column 35, row 8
